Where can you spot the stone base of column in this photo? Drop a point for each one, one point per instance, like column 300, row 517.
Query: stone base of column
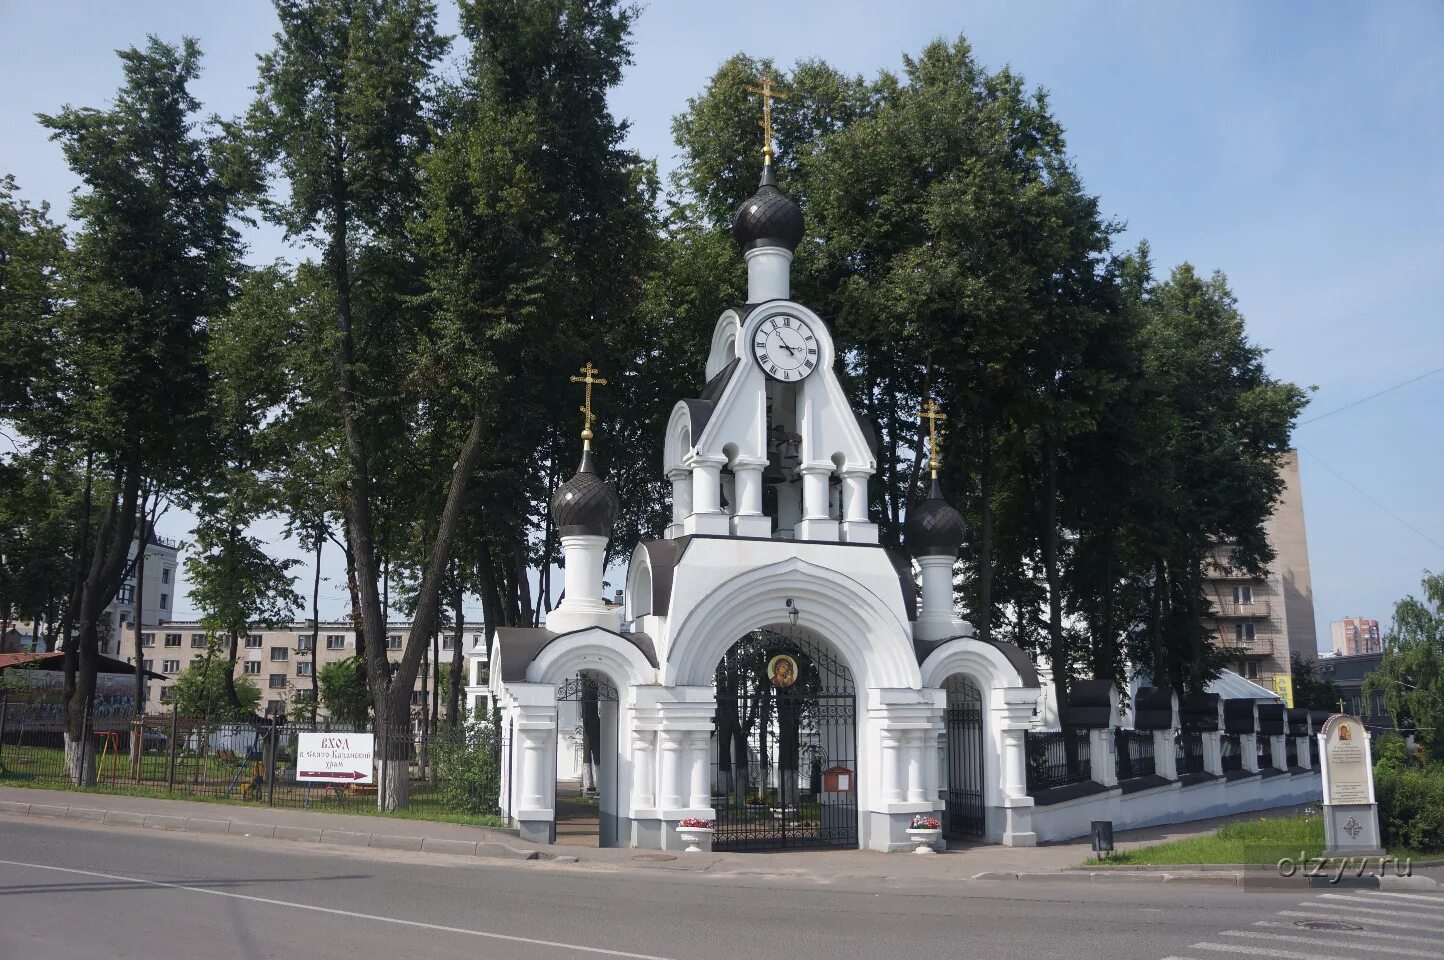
column 752, row 526
column 537, row 831
column 858, row 531
column 708, row 524
column 818, row 530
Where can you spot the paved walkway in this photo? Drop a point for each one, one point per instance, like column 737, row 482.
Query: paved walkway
column 395, row 833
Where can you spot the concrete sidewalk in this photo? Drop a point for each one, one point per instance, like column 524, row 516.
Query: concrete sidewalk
column 983, row 861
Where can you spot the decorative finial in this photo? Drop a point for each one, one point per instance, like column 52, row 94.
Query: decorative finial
column 768, row 95
column 589, row 379
column 932, row 415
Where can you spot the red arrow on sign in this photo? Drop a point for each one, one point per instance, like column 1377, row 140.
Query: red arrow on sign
column 334, row 774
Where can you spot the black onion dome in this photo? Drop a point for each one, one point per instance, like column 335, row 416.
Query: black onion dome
column 933, row 527
column 768, row 218
column 586, row 505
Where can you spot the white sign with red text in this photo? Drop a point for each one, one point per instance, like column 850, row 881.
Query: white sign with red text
column 335, row 757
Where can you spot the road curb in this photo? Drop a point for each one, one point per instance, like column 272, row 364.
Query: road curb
column 439, row 846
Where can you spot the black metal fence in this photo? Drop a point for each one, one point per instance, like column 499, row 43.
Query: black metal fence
column 1232, row 755
column 1314, row 752
column 449, row 771
column 1291, row 752
column 1057, row 758
column 1190, row 752
column 1134, row 752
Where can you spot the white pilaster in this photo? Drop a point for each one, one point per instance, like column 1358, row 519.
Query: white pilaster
column 1102, row 765
column 700, row 768
column 644, row 783
column 670, row 793
column 917, row 777
column 1279, row 750
column 1248, row 751
column 1012, row 709
column 892, row 766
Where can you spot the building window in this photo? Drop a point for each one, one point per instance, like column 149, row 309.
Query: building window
column 303, row 644
column 275, row 708
column 164, row 599
column 252, row 667
column 1243, row 594
column 448, row 642
column 127, row 594
column 253, row 641
column 335, row 641
column 198, row 641
column 303, row 668
column 165, row 575
column 277, row 681
column 170, row 666
column 1243, row 632
column 172, row 639
column 280, row 653
column 393, row 642
column 147, row 665
column 165, row 694
column 418, row 698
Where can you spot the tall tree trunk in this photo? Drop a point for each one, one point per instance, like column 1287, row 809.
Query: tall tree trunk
column 316, row 627
column 985, row 535
column 233, row 697
column 453, row 682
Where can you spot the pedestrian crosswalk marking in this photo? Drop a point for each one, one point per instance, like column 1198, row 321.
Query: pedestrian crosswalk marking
column 1321, row 942
column 1373, row 909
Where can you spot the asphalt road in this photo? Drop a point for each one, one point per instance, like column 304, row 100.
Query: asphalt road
column 74, row 891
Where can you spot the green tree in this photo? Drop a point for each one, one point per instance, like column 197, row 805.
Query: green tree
column 153, row 257
column 344, row 692
column 32, row 256
column 1410, row 676
column 1310, row 690
column 203, row 689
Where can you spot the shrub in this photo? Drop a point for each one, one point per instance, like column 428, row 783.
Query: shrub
column 468, row 767
column 1411, row 804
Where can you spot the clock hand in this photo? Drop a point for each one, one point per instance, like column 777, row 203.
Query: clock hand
column 783, row 344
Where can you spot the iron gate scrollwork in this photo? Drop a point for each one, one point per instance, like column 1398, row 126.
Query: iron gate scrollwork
column 964, row 814
column 785, row 768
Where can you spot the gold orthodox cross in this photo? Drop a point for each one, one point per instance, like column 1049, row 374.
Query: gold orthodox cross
column 768, row 95
column 932, row 415
column 590, row 379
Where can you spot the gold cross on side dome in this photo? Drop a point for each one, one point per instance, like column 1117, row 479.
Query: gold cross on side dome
column 932, row 415
column 589, row 379
column 768, row 95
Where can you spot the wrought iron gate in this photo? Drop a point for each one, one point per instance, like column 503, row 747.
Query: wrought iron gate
column 964, row 814
column 785, row 746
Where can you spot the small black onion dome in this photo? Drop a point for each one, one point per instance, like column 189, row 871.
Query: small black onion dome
column 933, row 527
column 586, row 505
column 768, row 218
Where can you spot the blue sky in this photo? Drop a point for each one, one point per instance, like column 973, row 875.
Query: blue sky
column 1297, row 147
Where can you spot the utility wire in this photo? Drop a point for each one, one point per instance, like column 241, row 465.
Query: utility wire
column 1380, row 393
column 1376, row 503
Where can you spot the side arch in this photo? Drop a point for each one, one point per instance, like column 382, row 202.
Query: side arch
column 871, row 636
column 989, row 667
column 591, row 649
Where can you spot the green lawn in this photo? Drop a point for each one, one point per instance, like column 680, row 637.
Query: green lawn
column 1262, row 841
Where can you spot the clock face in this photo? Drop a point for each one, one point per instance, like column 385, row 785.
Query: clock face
column 785, row 348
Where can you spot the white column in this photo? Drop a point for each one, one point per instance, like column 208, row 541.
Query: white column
column 892, row 767
column 701, row 772
column 856, row 527
column 1015, row 762
column 707, row 516
column 1165, row 755
column 935, row 614
column 747, row 517
column 533, row 771
column 681, row 494
column 1306, row 759
column 643, row 775
column 584, row 568
column 1213, row 753
column 670, row 794
column 817, row 522
column 1280, row 754
column 1248, row 750
column 1102, row 767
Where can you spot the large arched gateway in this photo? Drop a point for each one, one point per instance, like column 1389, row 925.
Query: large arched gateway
column 777, row 671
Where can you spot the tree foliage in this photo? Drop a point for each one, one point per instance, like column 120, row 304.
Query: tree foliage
column 1410, row 676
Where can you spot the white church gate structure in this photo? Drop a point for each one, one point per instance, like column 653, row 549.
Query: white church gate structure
column 964, row 813
column 785, row 768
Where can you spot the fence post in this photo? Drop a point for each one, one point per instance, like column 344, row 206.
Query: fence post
column 170, row 751
column 271, row 763
column 4, row 709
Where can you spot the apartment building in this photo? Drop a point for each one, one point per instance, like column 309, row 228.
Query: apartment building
column 278, row 660
column 1269, row 616
column 156, row 595
column 1355, row 636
